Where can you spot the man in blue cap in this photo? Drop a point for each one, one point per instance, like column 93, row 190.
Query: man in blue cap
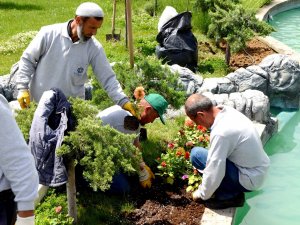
column 152, row 106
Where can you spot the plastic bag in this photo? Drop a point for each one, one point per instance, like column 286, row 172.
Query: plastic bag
column 177, row 43
column 168, row 13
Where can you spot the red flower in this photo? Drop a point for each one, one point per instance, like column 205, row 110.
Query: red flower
column 201, row 128
column 171, row 145
column 179, row 153
column 58, row 209
column 187, row 155
column 163, row 164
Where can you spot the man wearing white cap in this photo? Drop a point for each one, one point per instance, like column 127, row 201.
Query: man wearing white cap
column 59, row 56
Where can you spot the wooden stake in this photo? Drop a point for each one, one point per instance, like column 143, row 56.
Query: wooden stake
column 129, row 30
column 71, row 191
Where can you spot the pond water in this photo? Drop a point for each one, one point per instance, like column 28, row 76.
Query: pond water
column 278, row 202
column 287, row 28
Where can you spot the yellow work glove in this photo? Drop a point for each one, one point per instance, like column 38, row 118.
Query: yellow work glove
column 129, row 107
column 23, row 98
column 145, row 176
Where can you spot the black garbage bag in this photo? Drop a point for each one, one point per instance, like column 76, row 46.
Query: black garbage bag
column 9, row 89
column 177, row 43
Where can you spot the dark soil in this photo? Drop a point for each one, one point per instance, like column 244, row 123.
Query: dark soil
column 165, row 205
column 255, row 52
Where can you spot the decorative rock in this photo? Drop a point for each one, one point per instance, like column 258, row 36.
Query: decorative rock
column 284, row 80
column 190, row 81
column 245, row 79
column 217, row 85
column 260, row 106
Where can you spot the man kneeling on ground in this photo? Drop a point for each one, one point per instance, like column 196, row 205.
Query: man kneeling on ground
column 152, row 106
column 235, row 162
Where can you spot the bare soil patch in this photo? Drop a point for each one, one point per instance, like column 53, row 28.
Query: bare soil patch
column 255, row 52
column 165, row 205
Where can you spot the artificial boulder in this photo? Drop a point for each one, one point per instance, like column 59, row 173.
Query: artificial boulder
column 190, row 81
column 246, row 79
column 284, row 80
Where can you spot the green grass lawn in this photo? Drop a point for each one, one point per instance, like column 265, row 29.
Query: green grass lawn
column 20, row 19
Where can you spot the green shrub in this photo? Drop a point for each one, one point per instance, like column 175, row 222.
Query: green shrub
column 24, row 119
column 100, row 97
column 16, row 42
column 149, row 8
column 146, row 45
column 101, row 150
column 150, row 74
column 53, row 210
column 213, row 65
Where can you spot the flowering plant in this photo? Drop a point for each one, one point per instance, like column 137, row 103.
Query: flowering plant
column 175, row 163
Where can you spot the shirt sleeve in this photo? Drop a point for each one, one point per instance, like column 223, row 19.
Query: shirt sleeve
column 107, row 77
column 16, row 161
column 29, row 59
column 214, row 171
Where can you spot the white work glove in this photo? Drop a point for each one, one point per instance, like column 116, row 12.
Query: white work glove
column 25, row 220
column 196, row 195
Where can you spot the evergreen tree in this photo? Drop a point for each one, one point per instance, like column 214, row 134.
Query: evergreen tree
column 232, row 24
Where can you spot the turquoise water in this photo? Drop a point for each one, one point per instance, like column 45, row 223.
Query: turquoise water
column 278, row 203
column 287, row 25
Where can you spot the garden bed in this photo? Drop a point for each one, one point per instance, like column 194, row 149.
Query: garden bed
column 164, row 204
column 255, row 52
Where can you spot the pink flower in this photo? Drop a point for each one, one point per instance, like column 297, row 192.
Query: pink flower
column 184, row 177
column 163, row 164
column 58, row 209
column 189, row 144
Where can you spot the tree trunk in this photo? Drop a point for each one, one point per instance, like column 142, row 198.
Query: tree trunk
column 71, row 191
column 227, row 54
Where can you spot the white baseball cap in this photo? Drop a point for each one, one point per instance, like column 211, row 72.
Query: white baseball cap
column 89, row 9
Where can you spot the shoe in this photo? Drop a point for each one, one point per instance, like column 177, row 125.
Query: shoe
column 237, row 201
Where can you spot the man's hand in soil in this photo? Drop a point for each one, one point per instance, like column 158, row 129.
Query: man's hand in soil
column 196, row 195
column 145, row 176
